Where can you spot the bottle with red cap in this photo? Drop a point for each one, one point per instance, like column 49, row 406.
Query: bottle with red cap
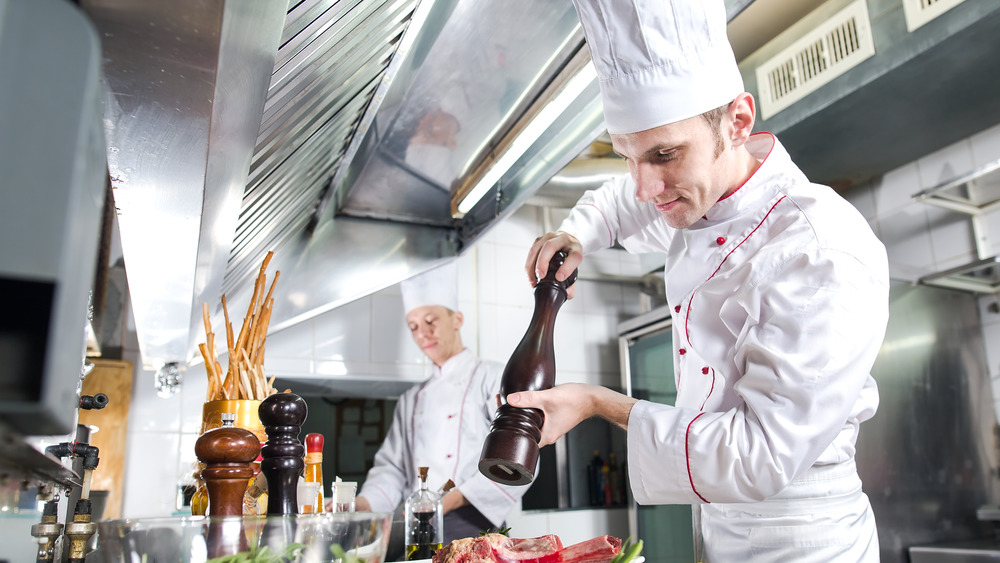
column 314, row 468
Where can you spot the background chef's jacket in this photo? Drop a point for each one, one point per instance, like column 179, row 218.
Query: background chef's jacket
column 779, row 297
column 442, row 424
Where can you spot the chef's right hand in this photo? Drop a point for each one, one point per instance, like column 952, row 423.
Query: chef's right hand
column 564, row 405
column 542, row 251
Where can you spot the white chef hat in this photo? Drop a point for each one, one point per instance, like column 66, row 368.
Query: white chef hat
column 438, row 286
column 659, row 61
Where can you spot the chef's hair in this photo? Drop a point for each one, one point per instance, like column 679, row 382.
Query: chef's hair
column 714, row 119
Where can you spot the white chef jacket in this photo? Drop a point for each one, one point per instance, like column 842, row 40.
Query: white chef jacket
column 779, row 296
column 441, row 424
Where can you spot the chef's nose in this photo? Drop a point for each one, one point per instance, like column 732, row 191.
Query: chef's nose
column 648, row 183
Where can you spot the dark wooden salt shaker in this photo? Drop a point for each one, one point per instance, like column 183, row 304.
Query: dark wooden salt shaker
column 510, row 452
column 282, row 456
column 227, row 453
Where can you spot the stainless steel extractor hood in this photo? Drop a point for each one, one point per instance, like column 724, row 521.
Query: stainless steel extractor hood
column 331, row 132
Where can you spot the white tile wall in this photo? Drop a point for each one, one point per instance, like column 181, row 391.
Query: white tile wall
column 986, row 146
column 945, row 164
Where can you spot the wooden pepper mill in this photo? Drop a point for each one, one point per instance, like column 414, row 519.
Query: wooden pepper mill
column 227, row 452
column 510, row 452
column 282, row 457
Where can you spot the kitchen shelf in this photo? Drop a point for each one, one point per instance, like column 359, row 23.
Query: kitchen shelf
column 974, row 194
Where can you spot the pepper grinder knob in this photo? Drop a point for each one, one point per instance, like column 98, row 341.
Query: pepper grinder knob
column 227, row 452
column 282, row 456
column 510, row 452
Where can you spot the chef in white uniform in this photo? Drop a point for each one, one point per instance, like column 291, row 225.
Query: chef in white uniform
column 778, row 290
column 442, row 423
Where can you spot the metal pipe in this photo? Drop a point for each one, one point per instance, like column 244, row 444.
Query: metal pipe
column 79, row 532
column 47, row 531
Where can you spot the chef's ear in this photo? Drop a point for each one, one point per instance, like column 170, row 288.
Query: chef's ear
column 742, row 113
column 459, row 319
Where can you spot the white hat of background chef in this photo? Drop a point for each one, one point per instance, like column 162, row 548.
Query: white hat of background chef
column 434, row 287
column 659, row 61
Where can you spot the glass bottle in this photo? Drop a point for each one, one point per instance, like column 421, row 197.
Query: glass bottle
column 314, row 467
column 424, row 519
column 594, row 494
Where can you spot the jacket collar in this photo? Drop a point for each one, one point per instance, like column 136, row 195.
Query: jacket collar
column 776, row 170
column 456, row 367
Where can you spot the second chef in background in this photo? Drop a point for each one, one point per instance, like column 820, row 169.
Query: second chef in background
column 442, row 422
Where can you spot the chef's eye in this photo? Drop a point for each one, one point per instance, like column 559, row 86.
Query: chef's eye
column 666, row 156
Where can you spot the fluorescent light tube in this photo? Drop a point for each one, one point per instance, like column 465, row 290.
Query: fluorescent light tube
column 529, row 135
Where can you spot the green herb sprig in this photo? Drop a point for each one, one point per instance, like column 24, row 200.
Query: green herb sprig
column 262, row 555
column 629, row 551
column 504, row 530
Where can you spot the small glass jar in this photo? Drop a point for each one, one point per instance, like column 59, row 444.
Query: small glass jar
column 343, row 495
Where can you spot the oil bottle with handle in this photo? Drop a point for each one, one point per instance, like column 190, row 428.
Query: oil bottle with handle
column 424, row 518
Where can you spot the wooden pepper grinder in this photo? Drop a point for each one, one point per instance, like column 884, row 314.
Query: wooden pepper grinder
column 510, row 452
column 282, row 415
column 227, row 452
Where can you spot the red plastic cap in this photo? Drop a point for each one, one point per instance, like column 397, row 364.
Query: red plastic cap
column 314, row 442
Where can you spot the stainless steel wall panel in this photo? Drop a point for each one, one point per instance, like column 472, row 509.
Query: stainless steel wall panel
column 928, row 458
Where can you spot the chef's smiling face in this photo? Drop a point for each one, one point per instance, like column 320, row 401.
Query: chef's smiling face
column 436, row 330
column 684, row 168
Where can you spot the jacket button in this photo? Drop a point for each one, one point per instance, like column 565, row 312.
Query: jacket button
column 721, row 241
column 451, row 416
column 682, row 351
column 704, row 370
column 448, row 456
column 677, row 308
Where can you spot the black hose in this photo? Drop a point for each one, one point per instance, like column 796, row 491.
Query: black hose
column 93, row 402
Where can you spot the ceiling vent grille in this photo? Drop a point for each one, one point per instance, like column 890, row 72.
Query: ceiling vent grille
column 824, row 53
column 919, row 12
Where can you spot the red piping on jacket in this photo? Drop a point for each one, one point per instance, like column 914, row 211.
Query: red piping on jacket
column 687, row 317
column 461, row 414
column 687, row 456
column 687, row 336
column 773, row 143
column 611, row 235
column 712, row 388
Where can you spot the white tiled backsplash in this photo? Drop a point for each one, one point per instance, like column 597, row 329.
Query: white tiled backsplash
column 922, row 239
column 368, row 337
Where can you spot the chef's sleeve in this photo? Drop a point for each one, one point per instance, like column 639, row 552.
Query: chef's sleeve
column 612, row 213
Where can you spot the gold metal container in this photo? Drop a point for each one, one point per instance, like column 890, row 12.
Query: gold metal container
column 246, row 416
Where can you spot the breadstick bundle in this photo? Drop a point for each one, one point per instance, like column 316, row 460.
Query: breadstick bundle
column 244, row 377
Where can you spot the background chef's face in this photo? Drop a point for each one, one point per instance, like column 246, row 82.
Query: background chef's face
column 436, row 330
column 678, row 168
